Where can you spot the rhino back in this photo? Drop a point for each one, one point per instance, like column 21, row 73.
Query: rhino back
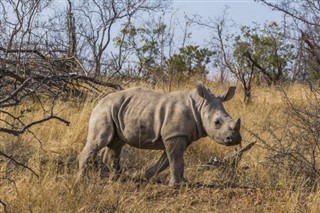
column 144, row 118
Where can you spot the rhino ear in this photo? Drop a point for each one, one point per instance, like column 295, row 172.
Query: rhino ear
column 202, row 90
column 226, row 96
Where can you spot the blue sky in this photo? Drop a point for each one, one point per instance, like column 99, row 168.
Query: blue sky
column 242, row 12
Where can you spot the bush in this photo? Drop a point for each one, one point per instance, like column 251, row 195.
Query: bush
column 293, row 143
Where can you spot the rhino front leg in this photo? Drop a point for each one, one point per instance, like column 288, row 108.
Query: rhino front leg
column 158, row 167
column 175, row 148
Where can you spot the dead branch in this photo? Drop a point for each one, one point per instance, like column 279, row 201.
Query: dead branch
column 18, row 163
column 37, row 52
column 230, row 160
column 96, row 81
column 15, row 92
column 26, row 127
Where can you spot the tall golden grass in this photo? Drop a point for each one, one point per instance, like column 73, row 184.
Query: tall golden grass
column 253, row 186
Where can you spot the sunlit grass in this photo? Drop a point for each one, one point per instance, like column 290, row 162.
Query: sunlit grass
column 251, row 187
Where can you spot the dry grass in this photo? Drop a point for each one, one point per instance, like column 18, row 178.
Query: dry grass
column 251, row 187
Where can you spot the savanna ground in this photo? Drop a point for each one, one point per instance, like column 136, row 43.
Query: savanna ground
column 257, row 184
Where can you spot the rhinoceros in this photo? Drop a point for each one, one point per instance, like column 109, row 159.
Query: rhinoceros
column 159, row 121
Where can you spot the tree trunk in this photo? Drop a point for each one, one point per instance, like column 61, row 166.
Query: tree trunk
column 72, row 48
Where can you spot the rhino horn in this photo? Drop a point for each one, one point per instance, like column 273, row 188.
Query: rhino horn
column 237, row 123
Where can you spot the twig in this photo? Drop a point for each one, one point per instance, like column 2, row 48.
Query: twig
column 4, row 206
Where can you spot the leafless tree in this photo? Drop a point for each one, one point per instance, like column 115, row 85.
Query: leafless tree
column 96, row 21
column 32, row 70
column 72, row 50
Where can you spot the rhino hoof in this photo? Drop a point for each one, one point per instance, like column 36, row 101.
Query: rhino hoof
column 180, row 184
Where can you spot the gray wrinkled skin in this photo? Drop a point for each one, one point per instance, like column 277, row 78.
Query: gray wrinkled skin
column 160, row 121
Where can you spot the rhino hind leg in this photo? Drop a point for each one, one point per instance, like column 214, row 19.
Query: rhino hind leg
column 96, row 141
column 175, row 148
column 111, row 158
column 158, row 167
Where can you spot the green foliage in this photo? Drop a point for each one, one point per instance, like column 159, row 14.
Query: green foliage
column 267, row 50
column 314, row 71
column 143, row 44
column 191, row 60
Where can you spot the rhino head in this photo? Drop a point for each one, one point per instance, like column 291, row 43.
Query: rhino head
column 216, row 122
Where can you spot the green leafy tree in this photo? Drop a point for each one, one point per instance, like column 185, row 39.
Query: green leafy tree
column 143, row 47
column 222, row 44
column 265, row 51
column 190, row 61
column 305, row 16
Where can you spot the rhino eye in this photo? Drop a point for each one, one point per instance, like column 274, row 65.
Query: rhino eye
column 218, row 124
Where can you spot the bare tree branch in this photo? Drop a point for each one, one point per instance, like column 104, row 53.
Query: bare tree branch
column 26, row 127
column 37, row 52
column 15, row 92
column 294, row 13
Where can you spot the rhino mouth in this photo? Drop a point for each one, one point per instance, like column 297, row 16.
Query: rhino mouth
column 233, row 142
column 228, row 141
